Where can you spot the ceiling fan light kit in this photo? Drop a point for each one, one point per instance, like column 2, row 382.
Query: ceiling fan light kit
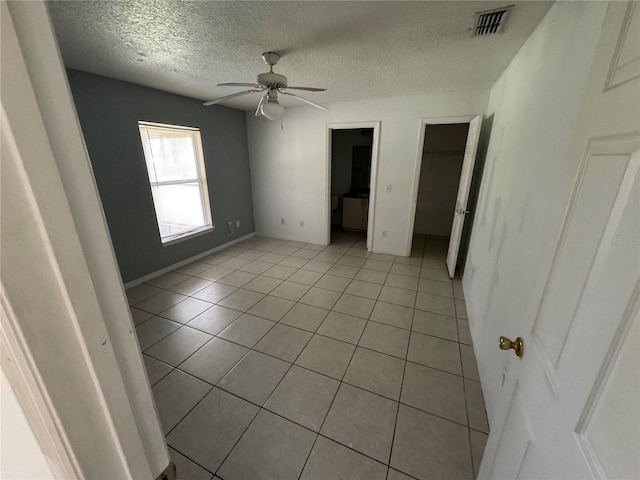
column 271, row 109
column 271, row 83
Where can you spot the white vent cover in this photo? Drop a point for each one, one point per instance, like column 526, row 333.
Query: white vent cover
column 491, row 21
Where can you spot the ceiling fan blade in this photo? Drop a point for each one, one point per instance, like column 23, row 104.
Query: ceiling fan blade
column 222, row 99
column 258, row 112
column 317, row 105
column 233, row 84
column 308, row 89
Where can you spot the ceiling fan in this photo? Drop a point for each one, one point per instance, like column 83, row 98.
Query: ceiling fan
column 271, row 83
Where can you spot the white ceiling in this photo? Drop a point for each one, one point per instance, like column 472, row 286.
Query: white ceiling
column 357, row 50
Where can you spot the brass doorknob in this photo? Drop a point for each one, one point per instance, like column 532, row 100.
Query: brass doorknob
column 517, row 345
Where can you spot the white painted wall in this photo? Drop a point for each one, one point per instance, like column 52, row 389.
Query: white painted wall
column 289, row 166
column 527, row 180
column 20, row 454
column 442, row 159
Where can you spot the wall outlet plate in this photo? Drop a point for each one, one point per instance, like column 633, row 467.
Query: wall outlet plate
column 238, row 223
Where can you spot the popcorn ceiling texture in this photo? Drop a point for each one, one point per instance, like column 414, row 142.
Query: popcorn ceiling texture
column 357, row 50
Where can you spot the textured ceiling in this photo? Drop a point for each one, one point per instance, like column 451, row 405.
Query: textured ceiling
column 357, row 50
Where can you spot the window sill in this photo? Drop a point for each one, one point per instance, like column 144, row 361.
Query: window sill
column 186, row 236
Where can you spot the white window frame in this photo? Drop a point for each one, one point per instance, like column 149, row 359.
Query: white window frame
column 201, row 180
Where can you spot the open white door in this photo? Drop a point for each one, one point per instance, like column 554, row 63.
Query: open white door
column 572, row 411
column 463, row 193
column 69, row 348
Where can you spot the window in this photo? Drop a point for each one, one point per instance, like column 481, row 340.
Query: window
column 175, row 164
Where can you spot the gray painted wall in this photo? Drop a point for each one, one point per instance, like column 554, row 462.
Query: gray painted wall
column 109, row 111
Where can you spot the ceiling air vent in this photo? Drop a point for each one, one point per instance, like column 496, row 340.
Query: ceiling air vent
column 491, row 21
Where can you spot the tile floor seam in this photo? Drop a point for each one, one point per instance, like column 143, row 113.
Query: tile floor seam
column 191, row 459
column 238, row 440
column 202, row 380
column 351, row 279
column 464, row 393
column 435, row 280
column 177, row 367
column 313, row 333
column 190, row 410
column 145, row 352
column 330, row 406
column 215, row 305
column 261, row 407
column 395, row 423
column 410, row 330
column 216, row 385
column 250, row 348
column 288, row 370
column 158, row 341
column 163, row 376
column 198, row 402
column 310, row 370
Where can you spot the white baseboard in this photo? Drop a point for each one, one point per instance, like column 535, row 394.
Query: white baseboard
column 280, row 236
column 140, row 280
column 293, row 238
column 390, row 252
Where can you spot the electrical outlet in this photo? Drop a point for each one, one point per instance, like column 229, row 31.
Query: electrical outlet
column 282, row 221
column 384, row 233
column 302, row 224
column 238, row 223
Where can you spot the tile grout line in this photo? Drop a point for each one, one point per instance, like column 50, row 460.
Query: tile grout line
column 213, row 386
column 342, row 293
column 464, row 393
column 333, row 378
column 318, row 433
column 199, row 401
column 261, row 407
column 315, row 332
column 395, row 423
column 336, row 393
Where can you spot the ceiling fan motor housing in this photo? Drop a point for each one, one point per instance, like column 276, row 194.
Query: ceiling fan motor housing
column 272, row 80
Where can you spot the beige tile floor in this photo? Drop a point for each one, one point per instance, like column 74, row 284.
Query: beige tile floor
column 283, row 360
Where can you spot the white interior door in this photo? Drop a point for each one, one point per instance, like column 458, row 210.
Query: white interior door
column 572, row 411
column 463, row 193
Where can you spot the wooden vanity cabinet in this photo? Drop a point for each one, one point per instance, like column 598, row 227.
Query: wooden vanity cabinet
column 354, row 213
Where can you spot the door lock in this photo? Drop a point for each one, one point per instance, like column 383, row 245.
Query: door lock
column 517, row 345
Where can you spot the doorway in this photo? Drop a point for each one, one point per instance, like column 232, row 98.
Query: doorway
column 442, row 158
column 351, row 176
column 445, row 167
